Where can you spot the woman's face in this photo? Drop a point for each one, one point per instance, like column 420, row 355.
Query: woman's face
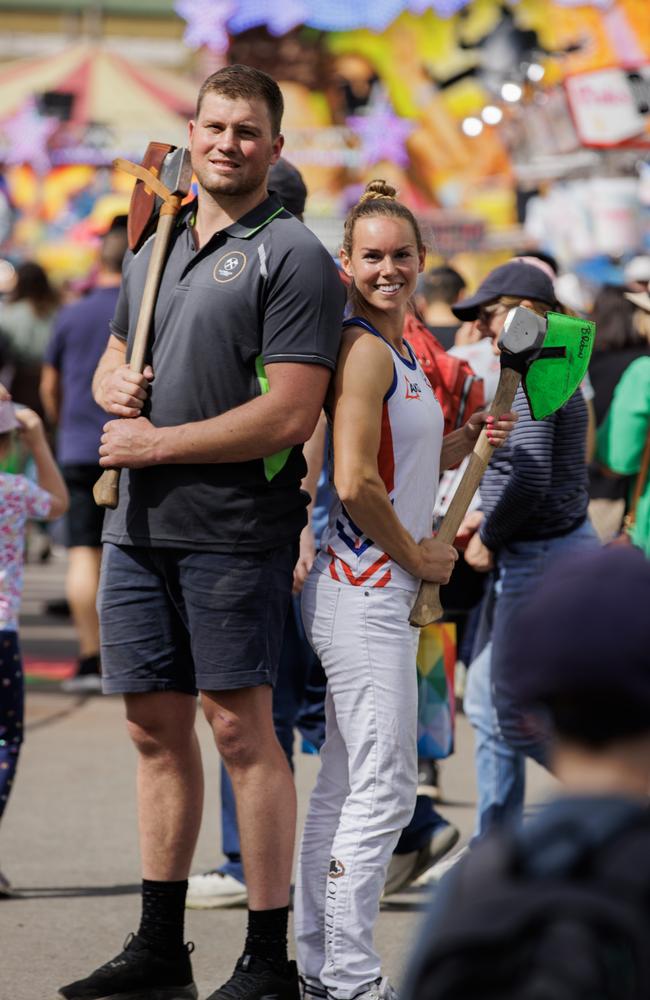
column 385, row 261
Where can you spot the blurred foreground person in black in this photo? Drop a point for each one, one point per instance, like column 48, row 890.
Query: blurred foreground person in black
column 560, row 910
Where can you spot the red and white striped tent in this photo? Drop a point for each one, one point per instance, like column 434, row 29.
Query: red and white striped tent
column 108, row 90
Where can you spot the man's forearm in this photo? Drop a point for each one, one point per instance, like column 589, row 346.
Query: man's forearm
column 50, row 393
column 258, row 428
column 51, row 405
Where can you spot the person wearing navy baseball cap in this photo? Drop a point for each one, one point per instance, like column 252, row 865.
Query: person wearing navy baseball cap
column 514, row 279
column 534, row 504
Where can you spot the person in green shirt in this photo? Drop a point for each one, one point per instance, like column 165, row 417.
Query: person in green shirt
column 622, row 438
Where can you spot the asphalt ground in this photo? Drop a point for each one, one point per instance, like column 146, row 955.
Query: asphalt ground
column 69, row 836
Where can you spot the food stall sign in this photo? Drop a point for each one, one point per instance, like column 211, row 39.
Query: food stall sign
column 610, row 107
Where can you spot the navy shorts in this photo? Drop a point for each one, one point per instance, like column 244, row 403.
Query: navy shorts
column 176, row 620
column 84, row 520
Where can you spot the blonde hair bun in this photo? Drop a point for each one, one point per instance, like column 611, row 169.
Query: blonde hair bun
column 378, row 189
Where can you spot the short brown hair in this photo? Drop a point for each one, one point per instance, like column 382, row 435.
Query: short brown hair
column 114, row 246
column 378, row 199
column 247, row 82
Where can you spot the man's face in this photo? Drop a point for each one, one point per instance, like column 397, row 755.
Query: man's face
column 232, row 145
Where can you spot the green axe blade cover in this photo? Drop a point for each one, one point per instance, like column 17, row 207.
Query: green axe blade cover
column 550, row 382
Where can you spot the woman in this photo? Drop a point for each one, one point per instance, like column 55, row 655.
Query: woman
column 388, row 452
column 619, row 342
column 25, row 326
column 534, row 499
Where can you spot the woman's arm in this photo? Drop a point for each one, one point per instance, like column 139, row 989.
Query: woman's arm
column 314, row 453
column 459, row 443
column 363, row 377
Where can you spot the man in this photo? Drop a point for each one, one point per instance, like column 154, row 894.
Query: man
column 299, row 692
column 77, row 343
column 438, row 290
column 199, row 554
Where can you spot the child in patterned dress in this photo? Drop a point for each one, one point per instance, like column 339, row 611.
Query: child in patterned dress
column 20, row 499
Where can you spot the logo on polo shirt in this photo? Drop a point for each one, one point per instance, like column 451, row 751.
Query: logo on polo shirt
column 229, row 266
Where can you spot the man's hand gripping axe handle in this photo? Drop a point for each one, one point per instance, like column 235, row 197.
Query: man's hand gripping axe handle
column 172, row 186
column 520, row 343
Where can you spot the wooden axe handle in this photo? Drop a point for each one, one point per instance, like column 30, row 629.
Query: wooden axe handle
column 427, row 607
column 106, row 489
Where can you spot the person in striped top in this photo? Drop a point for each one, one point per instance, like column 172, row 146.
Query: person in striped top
column 534, row 507
column 388, row 450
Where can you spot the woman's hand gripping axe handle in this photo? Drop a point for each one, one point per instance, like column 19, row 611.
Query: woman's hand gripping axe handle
column 520, row 344
column 172, row 186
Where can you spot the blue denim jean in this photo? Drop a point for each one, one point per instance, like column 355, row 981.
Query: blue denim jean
column 500, row 770
column 505, row 734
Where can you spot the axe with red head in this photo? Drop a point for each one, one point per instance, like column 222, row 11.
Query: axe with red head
column 549, row 356
column 165, row 175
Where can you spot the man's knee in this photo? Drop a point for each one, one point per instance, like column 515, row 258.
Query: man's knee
column 237, row 748
column 242, row 725
column 160, row 722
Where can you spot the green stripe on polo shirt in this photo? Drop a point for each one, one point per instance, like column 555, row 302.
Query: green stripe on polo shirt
column 246, row 234
column 251, row 232
column 272, row 463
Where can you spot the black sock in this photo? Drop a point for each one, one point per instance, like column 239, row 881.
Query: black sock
column 163, row 915
column 267, row 934
column 88, row 665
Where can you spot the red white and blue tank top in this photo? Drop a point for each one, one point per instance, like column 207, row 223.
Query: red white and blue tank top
column 408, row 462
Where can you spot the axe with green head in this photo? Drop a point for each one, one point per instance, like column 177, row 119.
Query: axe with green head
column 549, row 356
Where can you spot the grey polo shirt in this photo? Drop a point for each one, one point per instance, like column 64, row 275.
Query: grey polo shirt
column 263, row 290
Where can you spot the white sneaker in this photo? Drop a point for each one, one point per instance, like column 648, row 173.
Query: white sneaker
column 433, row 875
column 214, row 890
column 381, row 989
column 83, row 684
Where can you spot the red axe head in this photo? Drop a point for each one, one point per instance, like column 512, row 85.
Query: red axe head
column 170, row 165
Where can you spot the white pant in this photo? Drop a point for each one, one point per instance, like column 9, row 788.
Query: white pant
column 367, row 784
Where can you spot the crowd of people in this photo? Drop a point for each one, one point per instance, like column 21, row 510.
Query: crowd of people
column 277, row 580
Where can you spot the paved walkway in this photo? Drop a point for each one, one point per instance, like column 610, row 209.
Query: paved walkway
column 69, row 835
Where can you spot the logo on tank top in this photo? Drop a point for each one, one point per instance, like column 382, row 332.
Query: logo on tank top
column 229, row 266
column 413, row 390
